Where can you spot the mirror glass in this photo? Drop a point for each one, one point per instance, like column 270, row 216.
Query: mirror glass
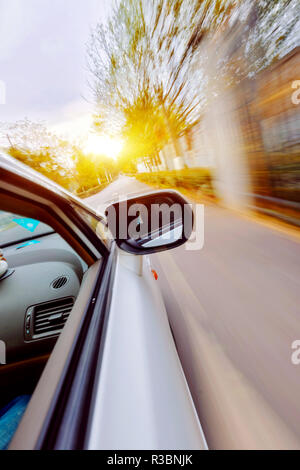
column 150, row 222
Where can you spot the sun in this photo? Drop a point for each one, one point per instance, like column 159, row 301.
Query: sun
column 103, row 145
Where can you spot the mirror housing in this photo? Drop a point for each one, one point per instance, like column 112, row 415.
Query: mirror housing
column 151, row 222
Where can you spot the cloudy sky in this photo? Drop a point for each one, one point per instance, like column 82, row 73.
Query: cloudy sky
column 42, row 60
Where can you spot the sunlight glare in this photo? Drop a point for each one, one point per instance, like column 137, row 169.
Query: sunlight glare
column 103, row 145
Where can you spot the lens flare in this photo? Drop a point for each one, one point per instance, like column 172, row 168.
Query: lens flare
column 103, row 145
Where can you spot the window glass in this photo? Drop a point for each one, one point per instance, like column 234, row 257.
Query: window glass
column 14, row 228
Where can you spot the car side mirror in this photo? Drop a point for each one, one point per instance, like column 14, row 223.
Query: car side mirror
column 150, row 223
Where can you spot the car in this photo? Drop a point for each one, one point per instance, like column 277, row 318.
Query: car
column 90, row 359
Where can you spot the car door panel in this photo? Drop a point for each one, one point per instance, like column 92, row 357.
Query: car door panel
column 142, row 400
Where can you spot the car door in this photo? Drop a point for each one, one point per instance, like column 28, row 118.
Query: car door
column 141, row 398
column 114, row 379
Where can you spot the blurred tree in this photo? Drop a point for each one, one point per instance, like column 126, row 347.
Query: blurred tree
column 144, row 129
column 106, row 168
column 85, row 171
column 43, row 163
column 253, row 35
column 274, row 30
column 32, row 144
column 27, row 135
column 143, row 67
column 56, row 158
column 93, row 170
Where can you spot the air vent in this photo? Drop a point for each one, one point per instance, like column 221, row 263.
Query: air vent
column 59, row 282
column 49, row 318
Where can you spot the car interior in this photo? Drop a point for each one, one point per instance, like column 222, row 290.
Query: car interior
column 37, row 293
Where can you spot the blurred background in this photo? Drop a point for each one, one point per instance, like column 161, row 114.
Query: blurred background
column 198, row 94
column 202, row 96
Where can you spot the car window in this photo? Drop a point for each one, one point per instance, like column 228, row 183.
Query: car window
column 14, row 228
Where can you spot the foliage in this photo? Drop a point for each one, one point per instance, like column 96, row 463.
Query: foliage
column 192, row 179
column 91, row 172
column 32, row 144
column 149, row 74
column 86, row 172
column 44, row 164
column 63, row 162
column 274, row 31
column 143, row 68
column 256, row 34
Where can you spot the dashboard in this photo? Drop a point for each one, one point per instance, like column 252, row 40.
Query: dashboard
column 37, row 296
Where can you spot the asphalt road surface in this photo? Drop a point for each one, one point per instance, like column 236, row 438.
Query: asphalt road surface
column 234, row 307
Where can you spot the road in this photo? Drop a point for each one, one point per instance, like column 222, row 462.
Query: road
column 234, row 307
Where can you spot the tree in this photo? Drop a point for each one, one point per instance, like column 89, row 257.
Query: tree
column 85, row 171
column 32, row 144
column 54, row 157
column 143, row 60
column 254, row 34
column 144, row 129
column 275, row 30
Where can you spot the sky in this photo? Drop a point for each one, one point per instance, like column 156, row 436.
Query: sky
column 43, row 63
